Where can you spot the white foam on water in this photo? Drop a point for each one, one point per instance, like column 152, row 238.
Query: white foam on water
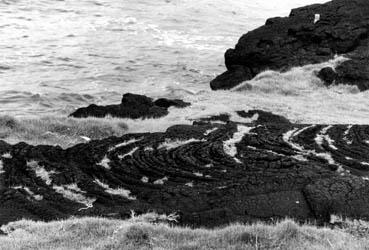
column 297, row 94
column 115, row 191
column 296, row 81
column 41, row 172
column 237, row 118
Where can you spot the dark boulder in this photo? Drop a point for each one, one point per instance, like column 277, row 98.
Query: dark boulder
column 327, row 75
column 132, row 106
column 167, row 103
column 298, row 40
column 210, row 174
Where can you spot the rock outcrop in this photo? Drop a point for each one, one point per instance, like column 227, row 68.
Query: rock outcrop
column 132, row 106
column 208, row 173
column 311, row 34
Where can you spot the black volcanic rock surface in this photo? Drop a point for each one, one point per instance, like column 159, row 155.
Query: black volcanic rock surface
column 298, row 40
column 210, row 174
column 132, row 106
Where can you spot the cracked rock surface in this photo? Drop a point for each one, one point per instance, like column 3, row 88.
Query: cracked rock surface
column 209, row 173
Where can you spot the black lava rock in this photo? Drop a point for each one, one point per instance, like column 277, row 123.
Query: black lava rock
column 132, row 106
column 299, row 39
column 210, row 174
column 327, row 75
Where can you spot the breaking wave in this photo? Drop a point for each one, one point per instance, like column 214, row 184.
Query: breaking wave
column 296, row 81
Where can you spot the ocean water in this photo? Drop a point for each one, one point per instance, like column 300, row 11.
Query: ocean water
column 58, row 55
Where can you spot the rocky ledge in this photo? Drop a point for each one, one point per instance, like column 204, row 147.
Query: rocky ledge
column 210, row 173
column 132, row 106
column 311, row 34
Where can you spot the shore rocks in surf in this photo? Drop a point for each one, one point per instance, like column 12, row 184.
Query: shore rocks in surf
column 327, row 75
column 132, row 106
column 209, row 173
column 351, row 72
column 298, row 40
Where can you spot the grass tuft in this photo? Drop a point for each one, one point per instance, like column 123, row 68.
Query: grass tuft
column 99, row 233
column 138, row 235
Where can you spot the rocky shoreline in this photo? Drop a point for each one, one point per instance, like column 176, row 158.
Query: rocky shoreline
column 215, row 171
column 209, row 173
column 309, row 35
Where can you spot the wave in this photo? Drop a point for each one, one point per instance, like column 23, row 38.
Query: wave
column 58, row 130
column 296, row 81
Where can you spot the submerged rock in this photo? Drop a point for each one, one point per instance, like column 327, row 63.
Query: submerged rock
column 302, row 38
column 210, row 174
column 132, row 106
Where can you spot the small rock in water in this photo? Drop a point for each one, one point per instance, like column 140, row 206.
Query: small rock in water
column 327, row 75
column 132, row 106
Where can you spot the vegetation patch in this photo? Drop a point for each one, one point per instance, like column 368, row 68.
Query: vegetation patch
column 149, row 231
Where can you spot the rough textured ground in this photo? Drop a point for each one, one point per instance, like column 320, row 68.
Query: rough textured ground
column 310, row 34
column 209, row 173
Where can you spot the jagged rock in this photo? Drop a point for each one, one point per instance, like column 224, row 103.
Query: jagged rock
column 132, row 106
column 299, row 39
column 209, row 174
column 327, row 75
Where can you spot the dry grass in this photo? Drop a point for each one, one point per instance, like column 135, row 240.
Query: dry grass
column 137, row 233
column 61, row 131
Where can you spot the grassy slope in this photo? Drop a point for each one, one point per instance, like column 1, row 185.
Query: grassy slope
column 99, row 233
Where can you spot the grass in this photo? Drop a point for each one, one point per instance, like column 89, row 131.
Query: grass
column 61, row 131
column 145, row 232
